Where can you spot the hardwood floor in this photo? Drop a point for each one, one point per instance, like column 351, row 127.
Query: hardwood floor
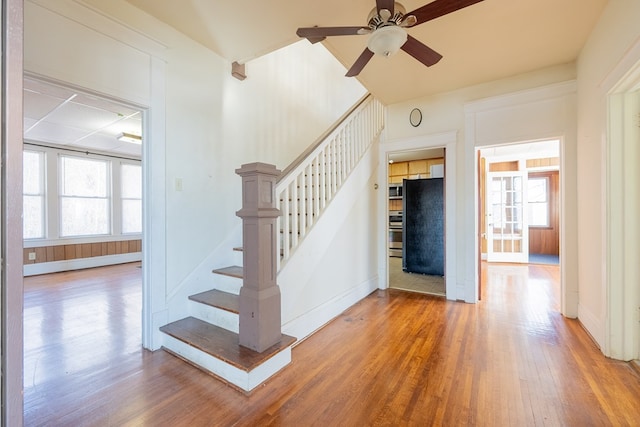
column 395, row 358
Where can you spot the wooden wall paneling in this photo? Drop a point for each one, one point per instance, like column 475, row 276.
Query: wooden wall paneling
column 95, row 249
column 503, row 166
column 70, row 252
column 41, row 254
column 86, row 250
column 50, row 256
column 58, row 253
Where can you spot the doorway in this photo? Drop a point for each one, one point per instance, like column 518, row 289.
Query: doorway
column 519, row 194
column 83, row 198
column 412, row 266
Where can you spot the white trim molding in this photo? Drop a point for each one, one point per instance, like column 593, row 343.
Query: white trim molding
column 621, row 232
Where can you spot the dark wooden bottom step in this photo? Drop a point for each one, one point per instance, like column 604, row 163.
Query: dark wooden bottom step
column 221, row 343
column 219, row 299
column 233, row 271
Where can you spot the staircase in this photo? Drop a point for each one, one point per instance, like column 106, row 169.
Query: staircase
column 233, row 331
column 209, row 339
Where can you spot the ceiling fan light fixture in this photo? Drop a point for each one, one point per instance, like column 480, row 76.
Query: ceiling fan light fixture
column 386, row 41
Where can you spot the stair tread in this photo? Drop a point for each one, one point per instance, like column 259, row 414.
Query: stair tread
column 219, row 299
column 221, row 343
column 233, row 271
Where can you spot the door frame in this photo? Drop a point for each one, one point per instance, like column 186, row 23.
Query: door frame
column 12, row 26
column 622, row 90
column 448, row 141
column 542, row 113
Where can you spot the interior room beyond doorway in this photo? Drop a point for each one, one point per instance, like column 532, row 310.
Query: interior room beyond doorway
column 416, row 264
column 520, row 203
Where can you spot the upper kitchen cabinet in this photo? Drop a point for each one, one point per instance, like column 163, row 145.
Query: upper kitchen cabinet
column 412, row 169
column 398, row 171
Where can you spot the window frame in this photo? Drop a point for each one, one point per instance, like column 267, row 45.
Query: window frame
column 42, row 194
column 108, row 166
column 547, row 202
column 52, row 183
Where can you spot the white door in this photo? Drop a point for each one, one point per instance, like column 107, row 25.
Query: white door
column 507, row 229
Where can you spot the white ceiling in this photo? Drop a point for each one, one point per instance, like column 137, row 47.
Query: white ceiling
column 490, row 40
column 487, row 41
column 57, row 115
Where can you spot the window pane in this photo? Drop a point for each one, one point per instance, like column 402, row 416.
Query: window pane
column 82, row 217
column 538, row 214
column 131, row 181
column 33, row 201
column 33, row 209
column 132, row 216
column 32, row 172
column 537, row 190
column 84, row 177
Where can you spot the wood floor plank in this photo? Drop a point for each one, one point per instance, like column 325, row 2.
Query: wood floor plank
column 395, row 358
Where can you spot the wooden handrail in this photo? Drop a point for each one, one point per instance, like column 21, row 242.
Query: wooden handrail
column 294, row 164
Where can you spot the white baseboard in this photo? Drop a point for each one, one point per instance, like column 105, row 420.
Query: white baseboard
column 593, row 325
column 313, row 320
column 80, row 263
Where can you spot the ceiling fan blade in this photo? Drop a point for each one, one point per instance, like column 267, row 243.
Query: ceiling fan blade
column 421, row 52
column 439, row 8
column 385, row 4
column 321, row 32
column 357, row 66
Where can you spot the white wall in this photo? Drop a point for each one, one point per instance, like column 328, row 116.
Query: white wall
column 203, row 124
column 446, row 113
column 335, row 266
column 611, row 41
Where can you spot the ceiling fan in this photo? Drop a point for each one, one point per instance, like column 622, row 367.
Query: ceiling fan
column 386, row 25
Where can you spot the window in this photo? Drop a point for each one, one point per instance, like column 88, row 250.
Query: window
column 33, row 200
column 131, row 181
column 84, row 197
column 538, row 195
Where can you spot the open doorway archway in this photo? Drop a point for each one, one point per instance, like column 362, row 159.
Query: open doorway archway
column 519, row 200
column 542, row 113
column 453, row 289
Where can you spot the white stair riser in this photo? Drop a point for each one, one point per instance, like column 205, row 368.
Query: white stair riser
column 215, row 316
column 228, row 284
column 237, row 258
column 247, row 381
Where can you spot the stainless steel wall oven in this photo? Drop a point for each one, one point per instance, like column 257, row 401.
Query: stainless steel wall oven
column 395, row 233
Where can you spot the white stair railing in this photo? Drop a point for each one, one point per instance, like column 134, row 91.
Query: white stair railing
column 305, row 188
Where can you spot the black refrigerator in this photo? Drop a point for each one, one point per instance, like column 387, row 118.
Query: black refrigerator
column 423, row 226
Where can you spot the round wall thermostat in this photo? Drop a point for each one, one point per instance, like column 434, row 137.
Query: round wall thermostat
column 415, row 117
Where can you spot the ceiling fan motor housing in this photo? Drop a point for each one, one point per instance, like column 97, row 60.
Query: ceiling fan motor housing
column 384, row 18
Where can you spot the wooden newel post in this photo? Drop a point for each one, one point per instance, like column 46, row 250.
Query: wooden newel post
column 260, row 318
